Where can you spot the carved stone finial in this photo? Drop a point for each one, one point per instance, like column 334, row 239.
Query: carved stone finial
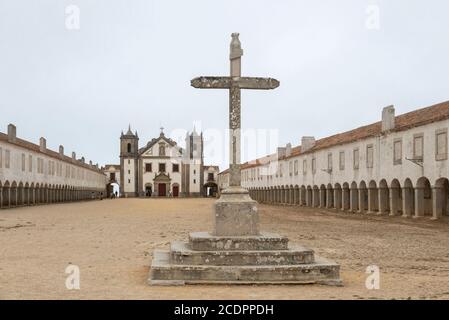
column 236, row 46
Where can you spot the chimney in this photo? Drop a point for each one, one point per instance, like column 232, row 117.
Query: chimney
column 288, row 149
column 42, row 144
column 73, row 155
column 307, row 143
column 388, row 118
column 11, row 133
column 281, row 152
column 61, row 151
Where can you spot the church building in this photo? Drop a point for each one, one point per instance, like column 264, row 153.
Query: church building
column 161, row 168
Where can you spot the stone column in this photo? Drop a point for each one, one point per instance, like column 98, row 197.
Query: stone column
column 384, row 196
column 437, row 202
column 419, row 202
column 394, row 199
column 407, row 198
column 371, row 200
column 361, row 201
column 330, row 198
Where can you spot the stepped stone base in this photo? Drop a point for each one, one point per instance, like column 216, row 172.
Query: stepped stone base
column 263, row 259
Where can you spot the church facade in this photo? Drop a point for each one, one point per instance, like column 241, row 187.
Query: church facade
column 161, row 168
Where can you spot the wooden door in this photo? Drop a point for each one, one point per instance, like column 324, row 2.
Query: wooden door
column 162, row 190
column 175, row 191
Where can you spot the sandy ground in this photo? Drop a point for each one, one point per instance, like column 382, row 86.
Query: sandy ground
column 112, row 241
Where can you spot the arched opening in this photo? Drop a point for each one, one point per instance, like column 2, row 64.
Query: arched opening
column 373, row 197
column 338, row 197
column 211, row 191
column 384, row 197
column 395, row 198
column 128, row 147
column 26, row 195
column 363, row 197
column 354, row 195
column 330, row 196
column 13, row 195
column 5, row 195
column 441, row 198
column 316, row 197
column 323, row 199
column 303, row 196
column 20, row 194
column 423, row 198
column 309, row 196
column 346, row 197
column 408, row 198
column 113, row 190
column 296, row 195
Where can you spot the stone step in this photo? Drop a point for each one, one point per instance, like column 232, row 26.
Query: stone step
column 204, row 241
column 322, row 271
column 180, row 253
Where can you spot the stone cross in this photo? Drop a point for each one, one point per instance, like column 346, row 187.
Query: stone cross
column 234, row 83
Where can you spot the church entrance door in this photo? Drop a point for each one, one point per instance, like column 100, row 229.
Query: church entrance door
column 162, row 190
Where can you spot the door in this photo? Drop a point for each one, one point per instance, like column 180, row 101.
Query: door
column 162, row 190
column 175, row 191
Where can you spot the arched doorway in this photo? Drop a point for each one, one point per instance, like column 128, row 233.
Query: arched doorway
column 112, row 190
column 210, row 189
column 175, row 190
column 148, row 189
column 162, row 185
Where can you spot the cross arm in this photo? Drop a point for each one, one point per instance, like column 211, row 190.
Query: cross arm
column 240, row 82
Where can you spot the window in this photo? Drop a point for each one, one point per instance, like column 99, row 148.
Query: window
column 329, row 162
column 40, row 165
column 441, row 145
column 356, row 158
column 112, row 177
column 23, row 161
column 148, row 167
column 175, row 167
column 342, row 160
column 129, row 180
column 129, row 171
column 210, row 176
column 129, row 147
column 194, row 181
column 313, row 165
column 397, row 152
column 295, row 167
column 418, row 146
column 369, row 156
column 194, row 171
column 7, row 156
column 161, row 167
column 162, row 150
column 304, row 166
column 281, row 169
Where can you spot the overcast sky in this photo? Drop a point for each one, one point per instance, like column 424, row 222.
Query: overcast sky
column 132, row 62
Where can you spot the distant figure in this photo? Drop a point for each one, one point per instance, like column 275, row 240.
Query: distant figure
column 116, row 194
column 169, row 194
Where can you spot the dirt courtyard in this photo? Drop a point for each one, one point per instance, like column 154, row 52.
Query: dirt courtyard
column 112, row 241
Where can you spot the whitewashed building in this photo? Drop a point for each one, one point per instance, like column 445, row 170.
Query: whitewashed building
column 33, row 174
column 397, row 166
column 162, row 168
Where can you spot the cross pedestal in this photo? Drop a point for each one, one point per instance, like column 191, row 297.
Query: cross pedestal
column 236, row 251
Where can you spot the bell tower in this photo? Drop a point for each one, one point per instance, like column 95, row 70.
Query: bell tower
column 129, row 149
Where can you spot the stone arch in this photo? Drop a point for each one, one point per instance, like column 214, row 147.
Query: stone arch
column 354, row 195
column 395, row 198
column 316, row 196
column 423, row 198
column 441, row 198
column 13, row 194
column 384, row 197
column 346, row 196
column 309, row 196
column 373, row 197
column 291, row 195
column 363, row 197
column 338, row 197
column 323, row 196
column 408, row 198
column 296, row 195
column 20, row 194
column 6, row 194
column 330, row 201
column 302, row 196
